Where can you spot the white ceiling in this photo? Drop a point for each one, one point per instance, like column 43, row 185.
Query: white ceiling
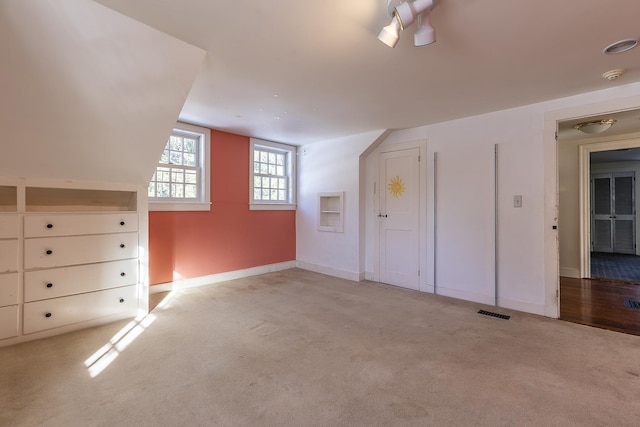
column 300, row 71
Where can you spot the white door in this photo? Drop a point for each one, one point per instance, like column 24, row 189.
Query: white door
column 613, row 212
column 398, row 218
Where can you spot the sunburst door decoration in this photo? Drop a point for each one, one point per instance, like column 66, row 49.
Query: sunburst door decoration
column 396, row 186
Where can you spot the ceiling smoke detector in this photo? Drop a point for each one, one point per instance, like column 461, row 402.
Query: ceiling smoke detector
column 613, row 74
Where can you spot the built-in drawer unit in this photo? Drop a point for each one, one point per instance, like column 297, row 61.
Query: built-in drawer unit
column 57, row 282
column 8, row 321
column 8, row 255
column 70, row 256
column 42, row 225
column 56, row 312
column 46, row 252
column 8, row 226
column 9, row 284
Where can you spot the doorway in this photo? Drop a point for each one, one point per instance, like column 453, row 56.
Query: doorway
column 599, row 293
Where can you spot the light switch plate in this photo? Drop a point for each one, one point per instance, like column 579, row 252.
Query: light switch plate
column 517, row 201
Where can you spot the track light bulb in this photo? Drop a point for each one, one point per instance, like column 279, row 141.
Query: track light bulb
column 425, row 34
column 390, row 34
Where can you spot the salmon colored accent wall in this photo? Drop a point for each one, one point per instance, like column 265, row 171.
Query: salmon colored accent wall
column 227, row 238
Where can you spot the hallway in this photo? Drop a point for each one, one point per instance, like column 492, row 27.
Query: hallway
column 600, row 303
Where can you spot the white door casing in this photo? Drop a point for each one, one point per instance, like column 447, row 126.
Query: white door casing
column 398, row 218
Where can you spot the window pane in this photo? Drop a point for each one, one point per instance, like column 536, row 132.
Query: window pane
column 152, row 189
column 282, row 195
column 265, row 194
column 190, row 145
column 177, row 190
column 177, row 176
column 190, row 177
column 263, row 157
column 165, row 157
column 272, row 158
column 274, row 194
column 175, row 158
column 190, row 191
column 163, row 190
column 272, row 170
column 257, row 181
column 282, row 184
column 280, row 170
column 189, row 159
column 256, row 194
column 176, row 143
column 264, row 169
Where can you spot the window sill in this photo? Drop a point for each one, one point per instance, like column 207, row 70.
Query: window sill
column 272, row 207
column 190, row 206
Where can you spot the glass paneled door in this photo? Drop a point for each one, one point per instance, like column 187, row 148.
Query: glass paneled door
column 613, row 212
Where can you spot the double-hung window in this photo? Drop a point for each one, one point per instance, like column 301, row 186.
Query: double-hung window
column 181, row 179
column 272, row 175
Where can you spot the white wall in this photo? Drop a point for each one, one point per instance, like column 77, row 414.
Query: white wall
column 327, row 166
column 88, row 93
column 527, row 245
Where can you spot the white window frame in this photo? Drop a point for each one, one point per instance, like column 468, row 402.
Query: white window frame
column 204, row 202
column 290, row 151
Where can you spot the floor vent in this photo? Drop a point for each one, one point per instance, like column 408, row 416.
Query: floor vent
column 634, row 305
column 499, row 316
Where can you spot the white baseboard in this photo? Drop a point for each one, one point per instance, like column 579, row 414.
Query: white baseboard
column 356, row 277
column 526, row 307
column 221, row 277
column 465, row 295
column 370, row 276
column 570, row 272
column 162, row 287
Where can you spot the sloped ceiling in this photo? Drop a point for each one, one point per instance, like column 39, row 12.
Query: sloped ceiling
column 87, row 93
column 332, row 77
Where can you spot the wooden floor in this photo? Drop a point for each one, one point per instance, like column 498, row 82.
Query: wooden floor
column 600, row 303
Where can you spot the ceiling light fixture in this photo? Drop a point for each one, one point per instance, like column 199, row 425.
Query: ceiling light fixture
column 595, row 126
column 620, row 46
column 403, row 15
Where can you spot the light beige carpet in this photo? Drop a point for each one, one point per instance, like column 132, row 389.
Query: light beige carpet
column 302, row 349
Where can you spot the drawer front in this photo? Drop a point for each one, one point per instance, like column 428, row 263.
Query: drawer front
column 8, row 322
column 43, row 225
column 9, row 284
column 8, row 256
column 58, row 282
column 53, row 313
column 49, row 252
column 8, row 226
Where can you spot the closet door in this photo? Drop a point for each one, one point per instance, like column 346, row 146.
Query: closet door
column 613, row 212
column 601, row 215
column 623, row 213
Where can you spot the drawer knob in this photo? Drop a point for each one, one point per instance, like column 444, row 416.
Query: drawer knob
column 122, row 245
column 49, row 285
column 47, row 315
column 121, row 222
column 121, row 300
column 49, row 252
column 49, row 225
column 123, row 274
